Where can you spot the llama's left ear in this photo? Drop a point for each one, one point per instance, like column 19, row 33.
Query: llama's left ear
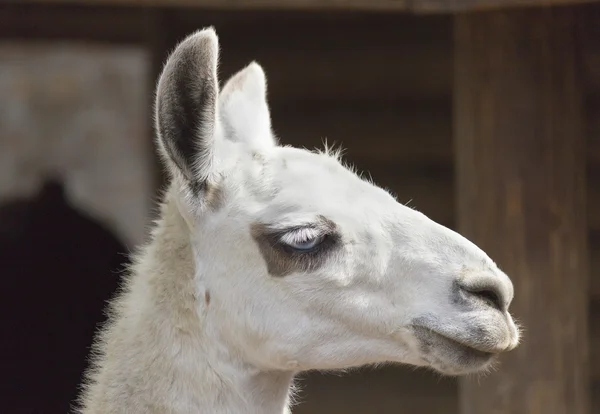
column 186, row 107
column 243, row 107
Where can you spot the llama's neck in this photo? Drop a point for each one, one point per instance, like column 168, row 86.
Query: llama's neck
column 162, row 354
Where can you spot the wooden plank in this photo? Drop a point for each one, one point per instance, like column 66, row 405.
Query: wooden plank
column 596, row 396
column 590, row 52
column 589, row 35
column 386, row 390
column 593, row 135
column 593, row 197
column 595, row 344
column 315, row 57
column 595, row 278
column 391, row 58
column 403, row 130
column 389, row 388
column 458, row 6
column 520, row 170
column 416, row 6
column 412, row 132
column 401, row 134
column 363, row 5
column 335, row 57
column 73, row 22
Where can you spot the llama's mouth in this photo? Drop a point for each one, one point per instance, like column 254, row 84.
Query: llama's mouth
column 451, row 356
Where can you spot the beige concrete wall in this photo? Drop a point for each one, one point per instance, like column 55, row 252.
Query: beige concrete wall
column 80, row 111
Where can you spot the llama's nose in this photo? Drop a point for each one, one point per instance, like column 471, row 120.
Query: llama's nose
column 487, row 289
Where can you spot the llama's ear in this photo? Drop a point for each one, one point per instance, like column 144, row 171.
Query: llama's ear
column 186, row 106
column 244, row 109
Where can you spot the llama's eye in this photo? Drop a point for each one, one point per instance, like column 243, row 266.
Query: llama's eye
column 303, row 240
column 307, row 244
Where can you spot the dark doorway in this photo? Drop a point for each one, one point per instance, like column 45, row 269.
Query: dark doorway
column 58, row 266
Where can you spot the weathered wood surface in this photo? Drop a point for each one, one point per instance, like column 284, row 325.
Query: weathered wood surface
column 389, row 390
column 415, row 6
column 457, row 6
column 520, row 170
column 73, row 23
column 349, row 57
column 331, row 66
column 594, row 319
column 595, row 285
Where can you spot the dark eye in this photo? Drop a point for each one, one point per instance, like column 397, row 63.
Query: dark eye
column 303, row 240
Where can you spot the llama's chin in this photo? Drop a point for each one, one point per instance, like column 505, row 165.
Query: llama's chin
column 450, row 357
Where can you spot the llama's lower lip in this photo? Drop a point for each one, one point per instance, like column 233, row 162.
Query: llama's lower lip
column 424, row 331
column 450, row 349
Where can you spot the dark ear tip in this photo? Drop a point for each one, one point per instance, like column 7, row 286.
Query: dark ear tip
column 203, row 41
column 186, row 99
column 196, row 54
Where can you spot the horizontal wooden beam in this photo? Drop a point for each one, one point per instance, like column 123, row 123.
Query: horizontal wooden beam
column 382, row 391
column 335, row 57
column 315, row 58
column 24, row 22
column 457, row 6
column 414, row 6
column 358, row 58
column 392, row 135
column 409, row 133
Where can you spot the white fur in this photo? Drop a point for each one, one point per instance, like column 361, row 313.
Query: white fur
column 202, row 327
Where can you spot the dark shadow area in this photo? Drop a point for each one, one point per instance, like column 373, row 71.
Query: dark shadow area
column 58, row 267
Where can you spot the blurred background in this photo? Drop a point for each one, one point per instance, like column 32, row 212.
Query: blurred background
column 79, row 175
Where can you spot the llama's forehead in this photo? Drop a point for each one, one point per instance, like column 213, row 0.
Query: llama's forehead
column 297, row 159
column 297, row 172
column 292, row 180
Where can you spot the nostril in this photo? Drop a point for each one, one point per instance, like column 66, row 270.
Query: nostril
column 489, row 296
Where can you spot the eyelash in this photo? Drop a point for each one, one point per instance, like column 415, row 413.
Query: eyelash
column 292, row 239
column 300, row 235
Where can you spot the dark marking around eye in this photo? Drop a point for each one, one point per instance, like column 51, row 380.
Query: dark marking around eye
column 282, row 260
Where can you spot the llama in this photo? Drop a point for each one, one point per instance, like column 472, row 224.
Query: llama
column 269, row 260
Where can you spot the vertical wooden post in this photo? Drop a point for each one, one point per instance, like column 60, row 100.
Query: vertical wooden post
column 520, row 162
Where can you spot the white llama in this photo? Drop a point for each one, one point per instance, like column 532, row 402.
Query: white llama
column 269, row 260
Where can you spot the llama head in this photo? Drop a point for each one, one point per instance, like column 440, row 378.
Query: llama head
column 306, row 265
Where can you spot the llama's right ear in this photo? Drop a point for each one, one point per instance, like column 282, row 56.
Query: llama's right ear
column 186, row 105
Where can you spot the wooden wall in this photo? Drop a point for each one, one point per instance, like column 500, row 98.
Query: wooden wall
column 381, row 85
